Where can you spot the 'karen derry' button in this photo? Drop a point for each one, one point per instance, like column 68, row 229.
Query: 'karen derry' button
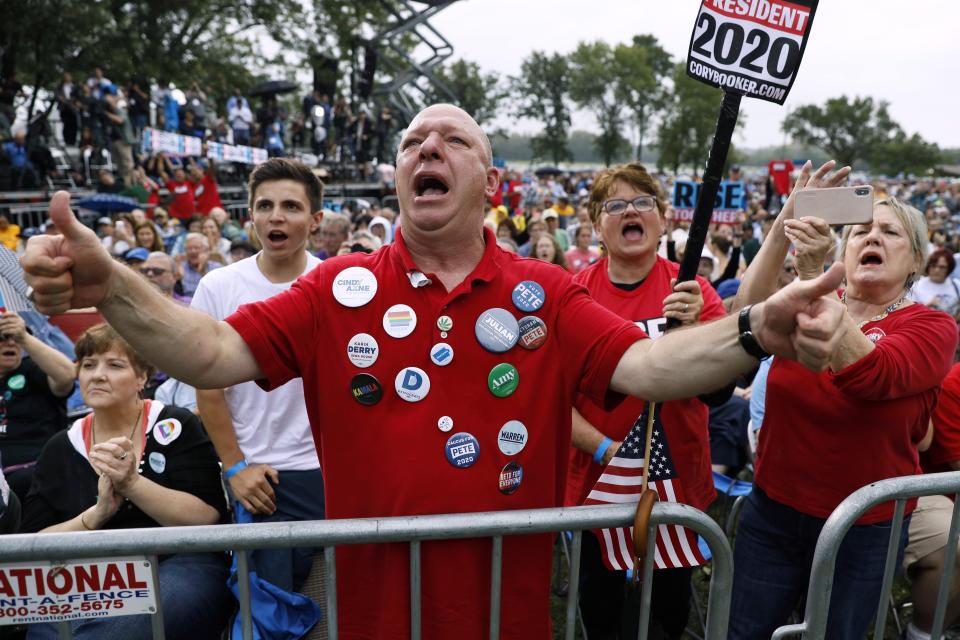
column 362, row 350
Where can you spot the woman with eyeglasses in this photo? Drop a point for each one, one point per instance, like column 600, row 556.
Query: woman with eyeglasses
column 937, row 289
column 627, row 209
column 827, row 434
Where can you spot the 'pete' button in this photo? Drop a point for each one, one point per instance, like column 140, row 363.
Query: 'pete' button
column 354, row 286
column 497, row 330
column 462, row 450
column 528, row 296
column 366, row 389
column 533, row 332
column 510, row 478
column 512, row 438
column 412, row 384
column 503, row 380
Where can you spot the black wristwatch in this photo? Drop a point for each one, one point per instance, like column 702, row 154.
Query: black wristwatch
column 747, row 340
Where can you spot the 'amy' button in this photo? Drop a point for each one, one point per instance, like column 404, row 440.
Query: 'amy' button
column 366, row 389
column 533, row 332
column 510, row 478
column 503, row 380
column 528, row 296
column 462, row 450
column 497, row 330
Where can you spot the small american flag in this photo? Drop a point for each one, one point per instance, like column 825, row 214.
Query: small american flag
column 621, row 482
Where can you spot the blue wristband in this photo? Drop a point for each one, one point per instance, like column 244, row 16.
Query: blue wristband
column 232, row 471
column 602, row 449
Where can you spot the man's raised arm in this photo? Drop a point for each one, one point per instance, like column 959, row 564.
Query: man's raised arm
column 797, row 323
column 73, row 270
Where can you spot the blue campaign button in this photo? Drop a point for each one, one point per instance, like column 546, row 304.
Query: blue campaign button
column 497, row 330
column 510, row 478
column 462, row 450
column 528, row 296
column 441, row 354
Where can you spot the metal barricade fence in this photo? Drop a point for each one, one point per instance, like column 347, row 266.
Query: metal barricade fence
column 814, row 623
column 330, row 533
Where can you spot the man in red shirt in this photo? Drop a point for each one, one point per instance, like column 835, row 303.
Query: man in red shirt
column 182, row 201
column 433, row 315
column 204, row 182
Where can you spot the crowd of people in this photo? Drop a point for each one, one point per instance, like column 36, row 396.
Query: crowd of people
column 326, row 308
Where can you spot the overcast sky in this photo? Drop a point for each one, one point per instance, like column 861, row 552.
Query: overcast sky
column 904, row 52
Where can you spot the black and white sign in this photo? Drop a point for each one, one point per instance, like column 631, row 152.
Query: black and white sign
column 751, row 47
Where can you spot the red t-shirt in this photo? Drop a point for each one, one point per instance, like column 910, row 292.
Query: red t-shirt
column 207, row 194
column 182, row 205
column 389, row 459
column 780, row 170
column 685, row 421
column 945, row 447
column 825, row 435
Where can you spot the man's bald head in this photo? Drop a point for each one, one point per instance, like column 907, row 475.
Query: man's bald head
column 453, row 111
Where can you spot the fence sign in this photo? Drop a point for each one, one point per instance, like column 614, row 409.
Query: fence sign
column 751, row 47
column 44, row 591
column 174, row 144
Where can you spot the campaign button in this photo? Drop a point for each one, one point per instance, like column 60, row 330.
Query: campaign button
column 510, row 478
column 363, row 350
column 366, row 389
column 158, row 462
column 533, row 332
column 462, row 450
column 399, row 321
column 412, row 384
column 512, row 438
column 445, row 423
column 444, row 323
column 441, row 354
column 497, row 330
column 354, row 286
column 528, row 296
column 503, row 380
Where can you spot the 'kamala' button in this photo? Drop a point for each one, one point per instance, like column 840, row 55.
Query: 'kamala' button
column 445, row 423
column 441, row 354
column 366, row 389
column 354, row 286
column 412, row 384
column 399, row 321
column 497, row 330
column 363, row 350
column 528, row 296
column 533, row 332
column 444, row 323
column 462, row 450
column 503, row 380
column 510, row 478
column 512, row 438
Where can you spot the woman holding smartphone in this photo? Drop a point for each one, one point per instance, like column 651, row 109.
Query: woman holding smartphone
column 827, row 434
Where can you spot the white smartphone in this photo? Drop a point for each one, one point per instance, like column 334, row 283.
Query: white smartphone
column 837, row 205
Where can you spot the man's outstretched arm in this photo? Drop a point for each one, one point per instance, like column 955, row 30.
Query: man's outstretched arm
column 73, row 270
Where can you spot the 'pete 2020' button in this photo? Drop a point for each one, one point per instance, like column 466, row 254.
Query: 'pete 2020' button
column 510, row 478
column 399, row 321
column 354, row 286
column 412, row 384
column 363, row 350
column 462, row 450
column 497, row 330
column 366, row 389
column 503, row 380
column 533, row 332
column 512, row 438
column 528, row 296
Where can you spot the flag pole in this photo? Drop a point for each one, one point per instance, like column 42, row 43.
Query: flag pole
column 646, row 451
column 644, row 505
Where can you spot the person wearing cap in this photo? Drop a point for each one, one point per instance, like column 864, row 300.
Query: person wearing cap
column 135, row 257
column 392, row 445
column 552, row 219
column 9, row 233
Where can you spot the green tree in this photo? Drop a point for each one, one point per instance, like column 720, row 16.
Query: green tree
column 542, row 89
column 846, row 129
column 641, row 69
column 904, row 154
column 689, row 121
column 593, row 82
column 479, row 94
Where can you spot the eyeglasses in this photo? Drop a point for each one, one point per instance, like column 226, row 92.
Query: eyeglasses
column 618, row 206
column 789, row 269
column 153, row 271
column 939, row 266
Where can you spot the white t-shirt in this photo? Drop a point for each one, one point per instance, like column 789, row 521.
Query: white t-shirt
column 272, row 428
column 942, row 296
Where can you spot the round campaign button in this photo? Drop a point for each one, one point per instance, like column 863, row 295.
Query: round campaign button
column 399, row 321
column 441, row 354
column 497, row 330
column 462, row 450
column 512, row 438
column 528, row 296
column 503, row 380
column 363, row 350
column 412, row 384
column 444, row 323
column 510, row 478
column 354, row 286
column 533, row 332
column 366, row 389
column 445, row 423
